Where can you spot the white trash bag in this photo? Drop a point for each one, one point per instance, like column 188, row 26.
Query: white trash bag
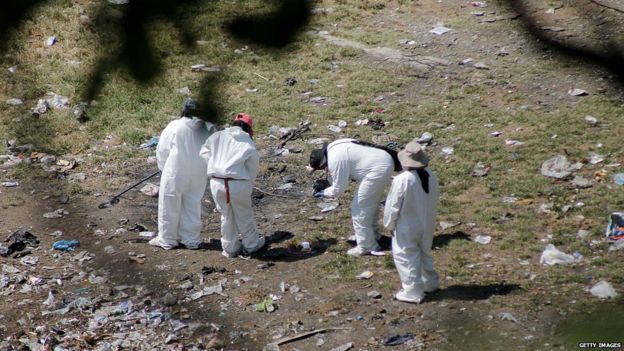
column 552, row 256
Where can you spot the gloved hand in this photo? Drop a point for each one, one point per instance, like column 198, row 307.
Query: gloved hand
column 318, row 194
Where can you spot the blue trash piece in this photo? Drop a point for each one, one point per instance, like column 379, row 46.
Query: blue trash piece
column 66, row 245
column 150, row 143
column 619, row 179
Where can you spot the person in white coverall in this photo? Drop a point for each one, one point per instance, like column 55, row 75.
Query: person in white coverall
column 183, row 179
column 233, row 163
column 372, row 168
column 410, row 212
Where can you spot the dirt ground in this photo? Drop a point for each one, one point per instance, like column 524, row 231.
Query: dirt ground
column 490, row 310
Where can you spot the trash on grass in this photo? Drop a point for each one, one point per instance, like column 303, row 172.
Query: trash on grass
column 615, row 226
column 619, row 179
column 591, row 120
column 581, row 182
column 265, row 305
column 480, row 170
column 328, row 206
column 344, row 347
column 483, row 239
column 66, row 245
column 603, row 290
column 439, row 30
column 558, row 167
column 150, row 189
column 577, row 92
column 365, row 275
column 551, row 256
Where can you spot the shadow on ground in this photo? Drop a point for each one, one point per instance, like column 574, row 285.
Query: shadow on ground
column 472, row 292
column 442, row 240
column 280, row 254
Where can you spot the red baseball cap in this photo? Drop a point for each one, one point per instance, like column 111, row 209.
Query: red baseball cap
column 247, row 119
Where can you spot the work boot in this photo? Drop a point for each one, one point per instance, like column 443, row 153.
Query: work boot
column 159, row 243
column 404, row 296
column 260, row 245
column 432, row 286
column 360, row 251
column 230, row 255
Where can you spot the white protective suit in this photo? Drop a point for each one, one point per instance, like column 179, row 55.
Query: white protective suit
column 411, row 214
column 233, row 163
column 370, row 166
column 182, row 182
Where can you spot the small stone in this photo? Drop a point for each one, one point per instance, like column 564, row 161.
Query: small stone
column 169, row 300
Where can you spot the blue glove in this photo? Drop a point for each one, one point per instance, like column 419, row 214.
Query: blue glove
column 318, row 194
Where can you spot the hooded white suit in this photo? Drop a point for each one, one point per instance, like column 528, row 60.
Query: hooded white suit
column 233, row 163
column 370, row 166
column 411, row 214
column 182, row 182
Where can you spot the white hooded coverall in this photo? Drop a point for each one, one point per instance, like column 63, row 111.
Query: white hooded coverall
column 233, row 163
column 411, row 214
column 370, row 166
column 182, row 182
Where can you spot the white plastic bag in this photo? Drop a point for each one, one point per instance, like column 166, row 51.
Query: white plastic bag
column 552, row 256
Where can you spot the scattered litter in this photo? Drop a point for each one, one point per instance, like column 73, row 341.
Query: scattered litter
column 342, row 124
column 439, row 30
column 581, row 182
column 496, row 133
column 591, row 120
column 365, row 275
column 66, row 245
column 483, row 239
column 57, row 101
column 150, row 143
column 344, row 347
column 425, row 138
column 512, row 142
column 559, row 29
column 551, row 256
column 265, row 305
column 448, row 151
column 12, row 69
column 51, row 41
column 305, row 246
column 10, row 184
column 374, row 294
column 603, row 290
column 334, row 128
column 577, row 92
column 466, row 62
column 318, row 141
column 619, row 179
column 444, row 225
column 615, row 226
column 361, row 122
column 150, row 189
column 251, row 90
column 147, row 234
column 316, row 218
column 119, row 2
column 506, row 316
column 290, row 81
column 14, row 101
column 558, row 167
column 594, row 158
column 481, row 65
column 319, row 100
column 398, row 339
column 41, row 108
column 617, row 245
column 479, row 4
column 184, row 91
column 56, row 214
column 328, row 206
column 480, row 170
